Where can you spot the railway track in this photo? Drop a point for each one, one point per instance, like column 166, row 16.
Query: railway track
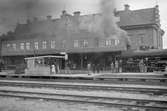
column 154, row 90
column 99, row 100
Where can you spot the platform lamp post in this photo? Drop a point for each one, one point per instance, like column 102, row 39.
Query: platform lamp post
column 65, row 57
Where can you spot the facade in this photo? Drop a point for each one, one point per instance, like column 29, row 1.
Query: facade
column 82, row 37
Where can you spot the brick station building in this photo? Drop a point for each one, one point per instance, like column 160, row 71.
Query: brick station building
column 78, row 35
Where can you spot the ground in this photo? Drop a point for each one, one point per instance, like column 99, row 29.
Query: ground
column 17, row 104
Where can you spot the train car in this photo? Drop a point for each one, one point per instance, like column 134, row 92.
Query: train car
column 44, row 65
column 154, row 60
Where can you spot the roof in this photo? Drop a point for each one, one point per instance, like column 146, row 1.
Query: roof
column 137, row 17
column 41, row 57
column 91, row 23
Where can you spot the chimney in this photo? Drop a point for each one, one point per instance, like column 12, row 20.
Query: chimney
column 49, row 17
column 127, row 7
column 77, row 13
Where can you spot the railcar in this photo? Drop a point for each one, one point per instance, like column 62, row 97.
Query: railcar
column 44, row 65
column 155, row 60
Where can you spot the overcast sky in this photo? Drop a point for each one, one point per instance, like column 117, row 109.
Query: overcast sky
column 12, row 11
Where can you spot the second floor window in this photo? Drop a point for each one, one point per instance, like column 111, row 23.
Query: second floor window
column 8, row 45
column 117, row 41
column 36, row 45
column 141, row 39
column 76, row 43
column 22, row 46
column 63, row 43
column 14, row 46
column 110, row 42
column 28, row 46
column 44, row 44
column 85, row 43
column 53, row 44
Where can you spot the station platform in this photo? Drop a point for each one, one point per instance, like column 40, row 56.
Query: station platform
column 101, row 74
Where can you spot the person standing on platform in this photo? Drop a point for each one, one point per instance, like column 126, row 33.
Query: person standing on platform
column 112, row 67
column 146, row 64
column 57, row 68
column 141, row 66
column 89, row 67
column 116, row 66
column 120, row 66
column 53, row 69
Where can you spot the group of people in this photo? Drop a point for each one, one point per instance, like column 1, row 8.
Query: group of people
column 116, row 66
column 96, row 68
column 142, row 66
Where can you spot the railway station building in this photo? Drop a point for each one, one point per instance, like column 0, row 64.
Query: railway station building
column 81, row 38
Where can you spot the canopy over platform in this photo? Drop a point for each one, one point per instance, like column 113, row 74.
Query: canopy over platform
column 154, row 52
column 48, row 56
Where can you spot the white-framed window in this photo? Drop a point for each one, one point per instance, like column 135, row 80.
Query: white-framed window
column 117, row 41
column 36, row 45
column 53, row 44
column 110, row 42
column 107, row 43
column 63, row 43
column 85, row 43
column 14, row 46
column 8, row 45
column 96, row 42
column 22, row 46
column 44, row 45
column 141, row 39
column 28, row 46
column 76, row 43
column 102, row 43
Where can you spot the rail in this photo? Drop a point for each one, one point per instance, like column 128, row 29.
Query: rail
column 110, row 101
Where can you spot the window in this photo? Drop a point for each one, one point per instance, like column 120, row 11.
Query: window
column 108, row 42
column 63, row 43
column 22, row 46
column 53, row 44
column 76, row 43
column 102, row 43
column 111, row 42
column 117, row 41
column 85, row 43
column 8, row 45
column 44, row 44
column 96, row 42
column 14, row 46
column 28, row 46
column 36, row 45
column 141, row 39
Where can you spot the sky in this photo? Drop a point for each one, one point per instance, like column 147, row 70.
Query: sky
column 14, row 11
